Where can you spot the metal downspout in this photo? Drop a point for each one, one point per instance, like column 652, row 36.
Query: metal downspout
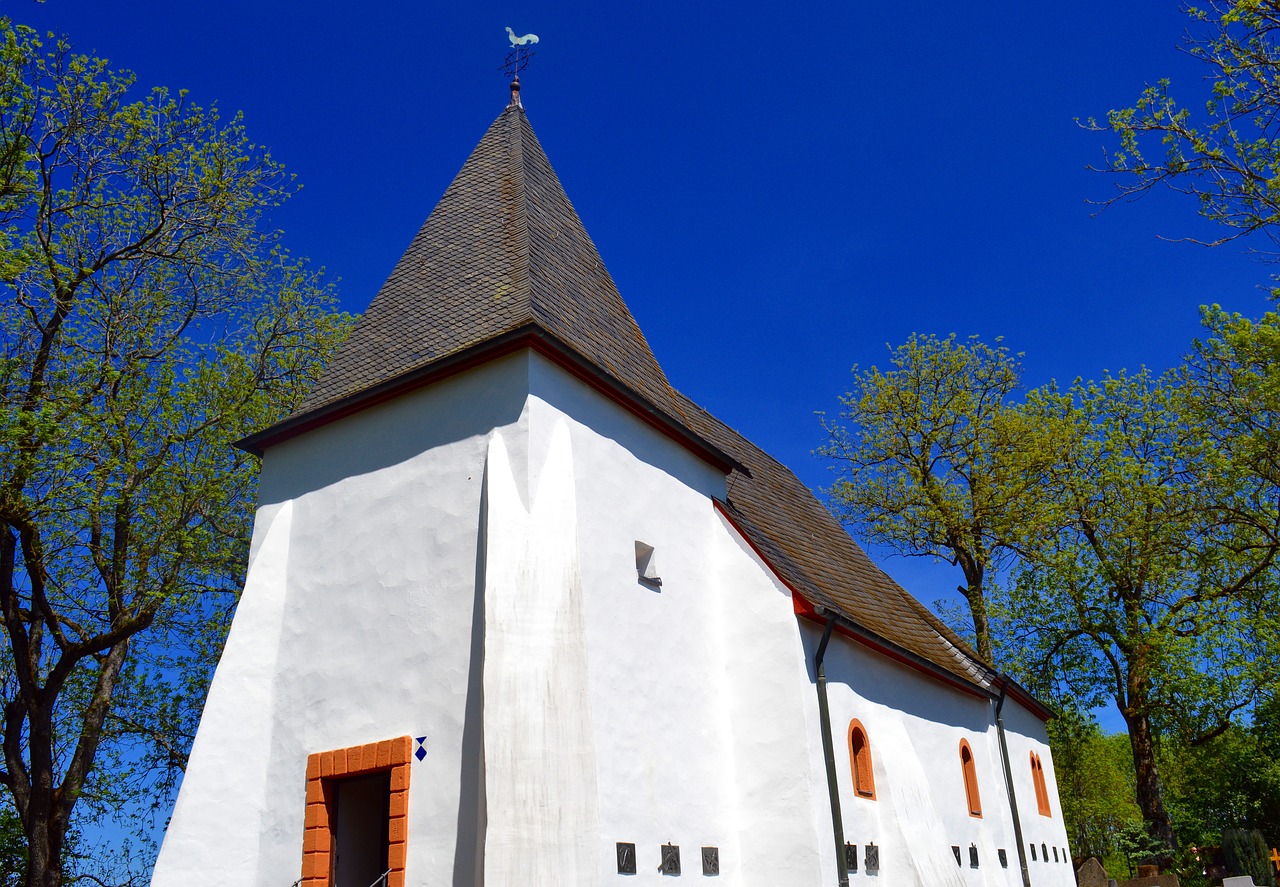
column 1008, row 782
column 828, row 749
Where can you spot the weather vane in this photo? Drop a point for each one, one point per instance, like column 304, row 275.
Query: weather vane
column 518, row 58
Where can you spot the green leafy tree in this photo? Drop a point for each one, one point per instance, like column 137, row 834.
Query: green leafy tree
column 932, row 462
column 1246, row 854
column 1232, row 780
column 1094, row 771
column 1222, row 146
column 1137, row 846
column 1146, row 588
column 149, row 317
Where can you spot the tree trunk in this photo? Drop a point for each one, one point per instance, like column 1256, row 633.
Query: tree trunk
column 44, row 862
column 42, row 821
column 975, row 594
column 1150, row 792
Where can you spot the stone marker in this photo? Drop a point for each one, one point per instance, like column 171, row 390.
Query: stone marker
column 1091, row 874
column 1239, row 881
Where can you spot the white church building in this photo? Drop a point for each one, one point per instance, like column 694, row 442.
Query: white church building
column 519, row 613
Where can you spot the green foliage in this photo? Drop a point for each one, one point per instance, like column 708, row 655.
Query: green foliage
column 1095, row 784
column 1133, row 519
column 1246, row 853
column 932, row 463
column 13, row 848
column 1137, row 846
column 1232, row 779
column 1147, row 577
column 150, row 317
column 1227, row 154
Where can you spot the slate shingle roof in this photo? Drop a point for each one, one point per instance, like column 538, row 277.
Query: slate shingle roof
column 505, row 251
column 503, row 248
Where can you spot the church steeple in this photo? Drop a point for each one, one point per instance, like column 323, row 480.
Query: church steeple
column 503, row 251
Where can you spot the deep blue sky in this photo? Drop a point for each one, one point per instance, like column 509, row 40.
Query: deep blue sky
column 779, row 190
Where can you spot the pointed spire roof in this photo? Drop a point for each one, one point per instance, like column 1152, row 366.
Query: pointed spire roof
column 504, row 250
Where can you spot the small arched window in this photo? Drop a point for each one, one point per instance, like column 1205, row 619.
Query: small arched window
column 864, row 781
column 970, row 773
column 1042, row 788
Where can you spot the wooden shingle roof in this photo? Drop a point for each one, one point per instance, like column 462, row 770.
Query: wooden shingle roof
column 504, row 258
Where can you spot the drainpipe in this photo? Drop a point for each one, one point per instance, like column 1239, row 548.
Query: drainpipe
column 1008, row 782
column 828, row 749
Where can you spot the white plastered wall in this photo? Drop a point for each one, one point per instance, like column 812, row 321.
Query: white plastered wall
column 655, row 675
column 696, row 718
column 369, row 634
column 914, row 725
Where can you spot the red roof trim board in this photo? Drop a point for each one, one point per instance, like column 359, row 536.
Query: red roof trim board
column 1029, row 702
column 530, row 336
column 803, row 607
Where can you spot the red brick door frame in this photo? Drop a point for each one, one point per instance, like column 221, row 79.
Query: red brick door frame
column 324, row 769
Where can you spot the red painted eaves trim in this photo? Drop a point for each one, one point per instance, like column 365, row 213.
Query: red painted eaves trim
column 501, row 346
column 529, row 336
column 1023, row 696
column 802, row 606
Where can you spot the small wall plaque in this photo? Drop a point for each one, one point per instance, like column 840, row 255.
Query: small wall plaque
column 973, row 856
column 851, row 857
column 1055, row 854
column 1033, row 852
column 711, row 860
column 871, row 856
column 1004, row 858
column 1044, row 852
column 626, row 858
column 955, row 851
column 670, row 859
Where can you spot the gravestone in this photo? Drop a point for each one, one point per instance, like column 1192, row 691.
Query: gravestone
column 1239, row 881
column 1092, row 874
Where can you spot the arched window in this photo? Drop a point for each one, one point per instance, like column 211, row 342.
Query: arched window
column 864, row 781
column 970, row 772
column 1042, row 789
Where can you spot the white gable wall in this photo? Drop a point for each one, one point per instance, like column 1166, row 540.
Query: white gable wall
column 654, row 669
column 375, row 641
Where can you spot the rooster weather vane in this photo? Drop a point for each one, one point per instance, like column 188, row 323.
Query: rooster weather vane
column 518, row 58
